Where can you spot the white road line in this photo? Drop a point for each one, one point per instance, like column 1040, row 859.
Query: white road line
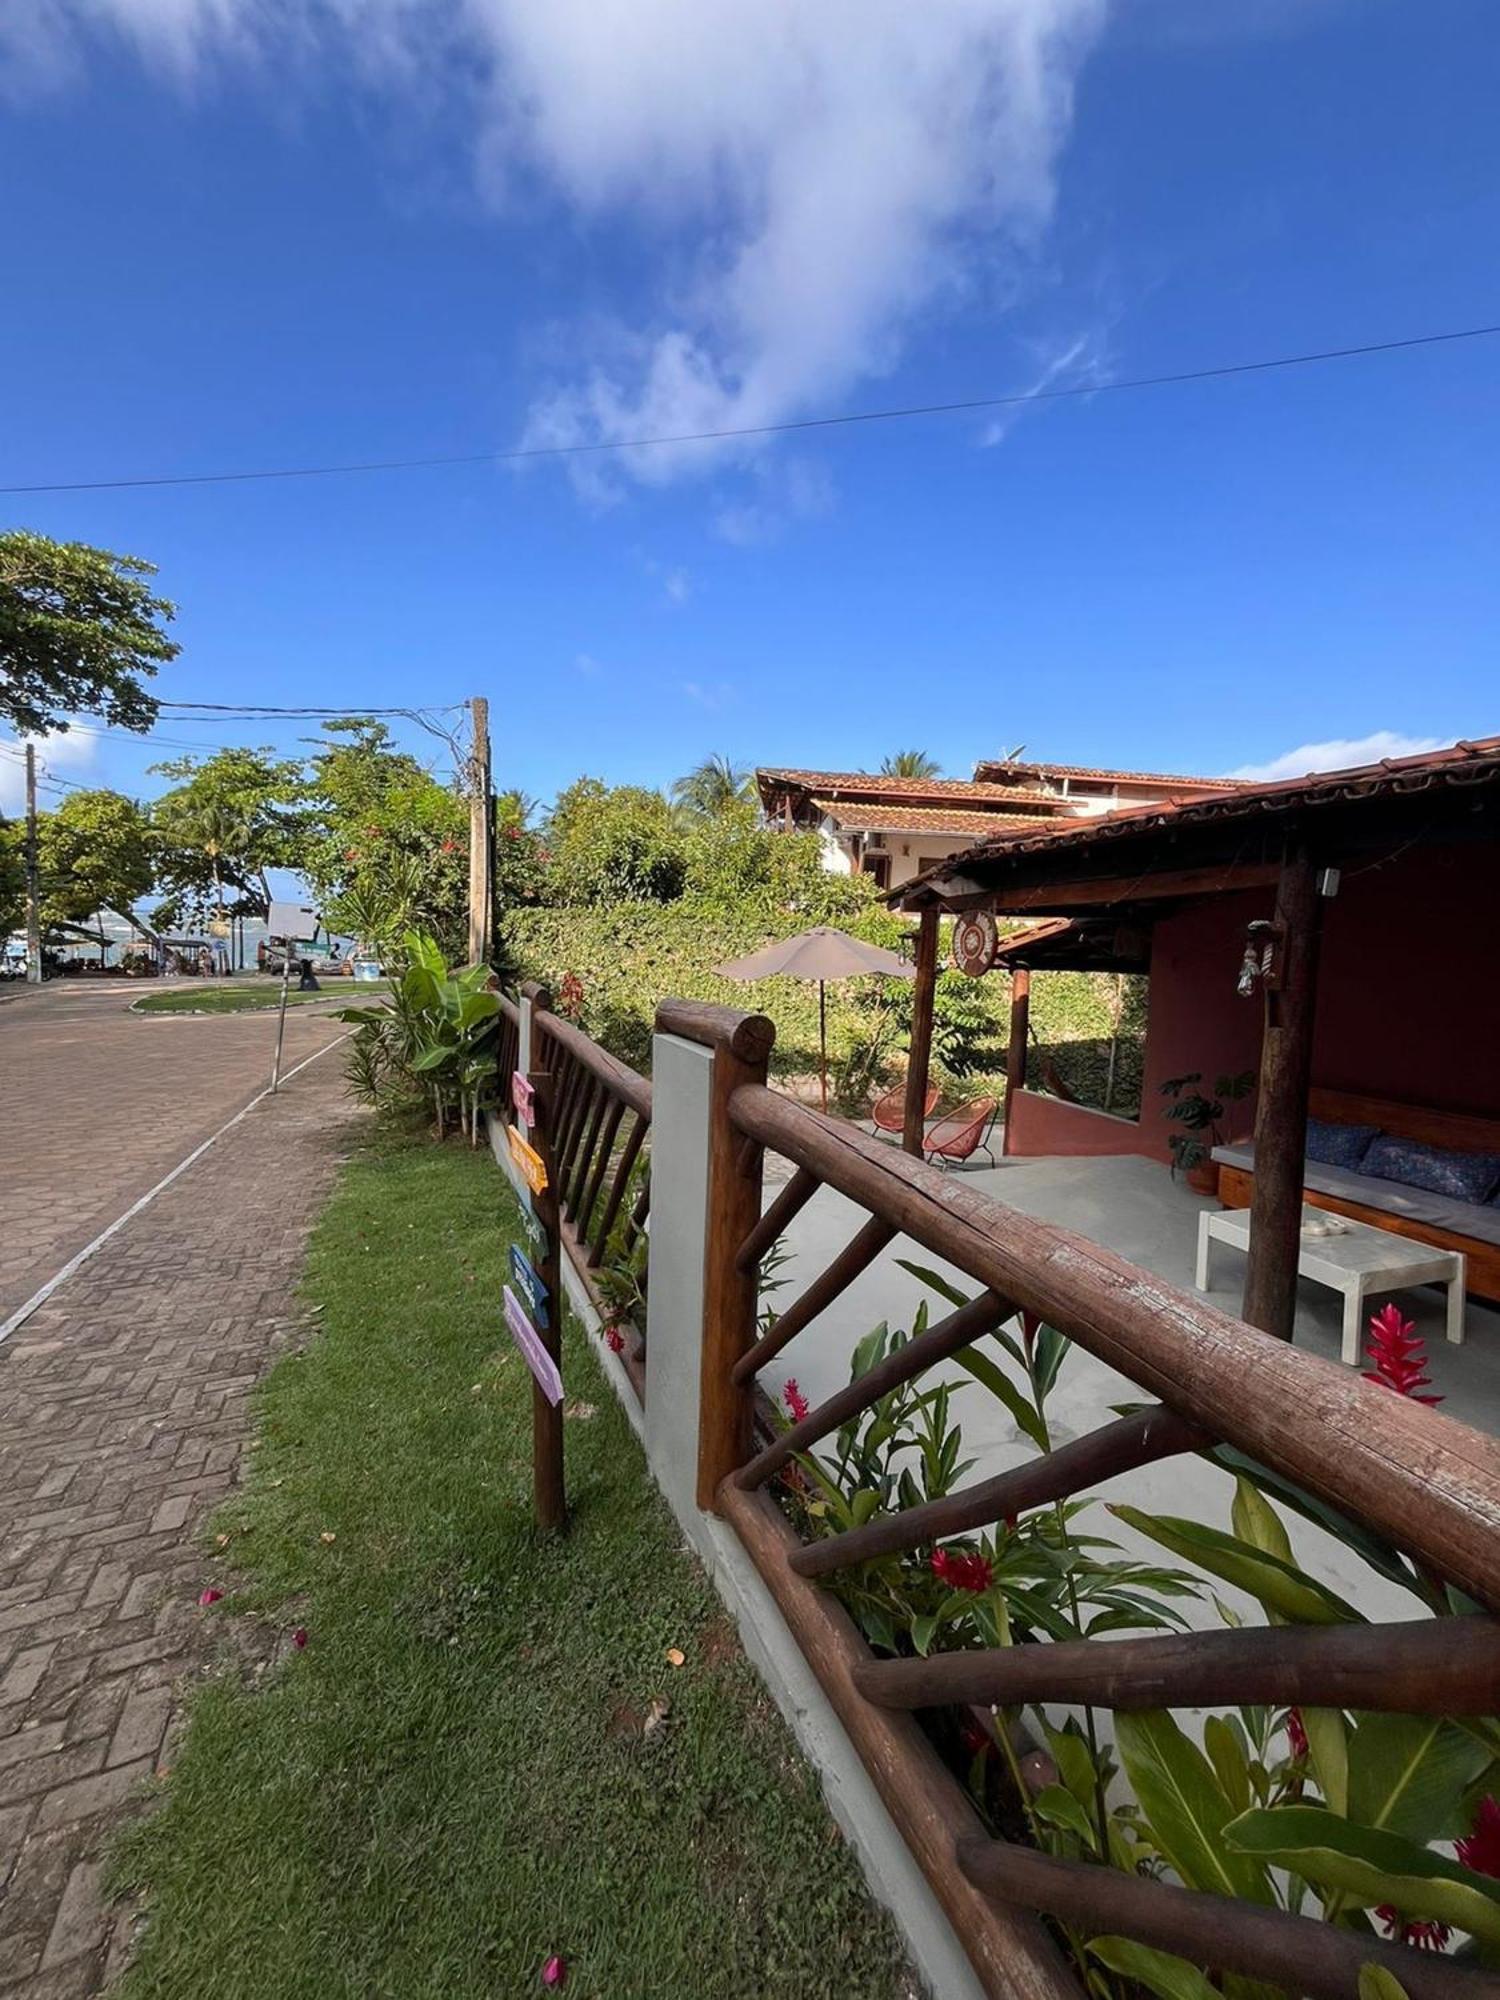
column 39, row 1298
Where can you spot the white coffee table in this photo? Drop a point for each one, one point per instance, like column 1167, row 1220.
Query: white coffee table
column 1357, row 1262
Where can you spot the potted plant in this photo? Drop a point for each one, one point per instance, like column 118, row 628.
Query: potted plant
column 1198, row 1115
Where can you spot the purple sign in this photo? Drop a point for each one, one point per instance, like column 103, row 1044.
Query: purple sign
column 533, row 1353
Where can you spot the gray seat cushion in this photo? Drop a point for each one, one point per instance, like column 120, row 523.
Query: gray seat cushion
column 1480, row 1220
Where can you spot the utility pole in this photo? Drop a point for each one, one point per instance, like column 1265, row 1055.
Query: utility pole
column 481, row 822
column 33, row 912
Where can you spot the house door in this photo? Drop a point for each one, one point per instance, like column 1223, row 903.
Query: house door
column 879, row 866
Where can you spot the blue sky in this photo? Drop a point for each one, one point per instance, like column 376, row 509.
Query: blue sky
column 383, row 228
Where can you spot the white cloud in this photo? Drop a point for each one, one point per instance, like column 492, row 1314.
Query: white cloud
column 817, row 173
column 1340, row 753
column 1076, row 362
column 713, row 697
column 67, row 756
column 588, row 666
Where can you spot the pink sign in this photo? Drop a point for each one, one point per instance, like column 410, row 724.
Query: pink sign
column 524, row 1098
column 533, row 1353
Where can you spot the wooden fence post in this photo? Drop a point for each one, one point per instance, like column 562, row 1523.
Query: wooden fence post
column 549, row 1494
column 741, row 1052
column 919, row 1060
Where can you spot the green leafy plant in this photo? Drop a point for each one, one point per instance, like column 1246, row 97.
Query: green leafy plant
column 434, row 1038
column 1199, row 1114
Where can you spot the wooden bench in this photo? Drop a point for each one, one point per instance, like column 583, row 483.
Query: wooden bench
column 1461, row 1131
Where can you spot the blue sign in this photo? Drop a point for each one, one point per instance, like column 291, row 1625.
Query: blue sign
column 528, row 1281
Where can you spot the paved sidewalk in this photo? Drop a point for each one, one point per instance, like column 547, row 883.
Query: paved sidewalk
column 100, row 1103
column 122, row 1422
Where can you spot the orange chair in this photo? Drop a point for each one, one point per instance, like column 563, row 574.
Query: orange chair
column 962, row 1132
column 889, row 1112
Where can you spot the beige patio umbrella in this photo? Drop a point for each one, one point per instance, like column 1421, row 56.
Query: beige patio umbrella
column 822, row 954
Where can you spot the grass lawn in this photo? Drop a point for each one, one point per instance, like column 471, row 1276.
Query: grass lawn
column 482, row 1756
column 246, row 999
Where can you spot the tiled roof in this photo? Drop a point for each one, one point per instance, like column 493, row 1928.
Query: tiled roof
column 986, row 767
column 875, row 785
column 875, row 817
column 1470, row 763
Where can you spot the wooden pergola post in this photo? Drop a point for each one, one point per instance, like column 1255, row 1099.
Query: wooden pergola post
column 919, row 1061
column 1270, row 1300
column 1015, row 1053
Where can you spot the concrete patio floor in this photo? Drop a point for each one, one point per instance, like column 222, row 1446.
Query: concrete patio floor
column 1133, row 1207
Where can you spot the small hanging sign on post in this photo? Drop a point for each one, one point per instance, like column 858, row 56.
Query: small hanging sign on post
column 976, row 939
column 533, row 1353
column 523, row 1096
column 532, row 1166
column 529, row 1284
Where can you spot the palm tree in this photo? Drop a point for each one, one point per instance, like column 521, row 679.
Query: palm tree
column 911, row 764
column 712, row 787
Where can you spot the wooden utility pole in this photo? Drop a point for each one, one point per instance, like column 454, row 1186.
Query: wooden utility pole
column 33, row 905
column 1291, row 992
column 919, row 1056
column 481, row 823
column 1015, row 1053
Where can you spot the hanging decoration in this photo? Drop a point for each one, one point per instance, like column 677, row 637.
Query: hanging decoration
column 976, row 939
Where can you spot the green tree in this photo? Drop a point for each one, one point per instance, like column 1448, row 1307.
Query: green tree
column 232, row 817
column 12, row 876
column 93, row 854
column 387, row 843
column 738, row 866
column 79, row 629
column 713, row 787
column 614, row 844
column 911, row 764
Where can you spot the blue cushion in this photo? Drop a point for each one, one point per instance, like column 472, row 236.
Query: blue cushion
column 1338, row 1145
column 1463, row 1176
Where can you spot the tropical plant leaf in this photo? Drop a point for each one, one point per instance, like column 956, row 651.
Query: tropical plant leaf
column 1000, row 1385
column 1408, row 1774
column 1328, row 1753
column 1158, row 1971
column 944, row 1287
column 1185, row 1806
column 1058, row 1807
column 1275, row 1584
column 1376, row 1983
column 1229, row 1753
column 1380, row 1555
column 1370, row 1866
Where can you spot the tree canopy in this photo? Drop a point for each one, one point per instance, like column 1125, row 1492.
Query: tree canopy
column 910, row 764
column 93, row 853
column 231, row 818
column 713, row 787
column 79, row 630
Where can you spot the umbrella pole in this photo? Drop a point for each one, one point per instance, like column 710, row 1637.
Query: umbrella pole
column 823, row 1042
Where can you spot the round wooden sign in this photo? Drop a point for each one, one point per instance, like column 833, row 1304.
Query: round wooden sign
column 976, row 939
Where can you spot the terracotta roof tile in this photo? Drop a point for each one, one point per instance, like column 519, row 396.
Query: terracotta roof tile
column 876, row 817
column 874, row 784
column 1092, row 772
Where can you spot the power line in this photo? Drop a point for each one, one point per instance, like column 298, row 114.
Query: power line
column 254, row 712
column 968, row 405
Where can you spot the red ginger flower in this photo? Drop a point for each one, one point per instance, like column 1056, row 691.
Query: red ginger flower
column 1399, row 1356
column 614, row 1340
column 797, row 1405
column 962, row 1571
column 1480, row 1850
column 1426, row 1933
column 209, row 1596
column 1296, row 1735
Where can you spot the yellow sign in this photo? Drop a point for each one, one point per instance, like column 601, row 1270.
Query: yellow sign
column 528, row 1160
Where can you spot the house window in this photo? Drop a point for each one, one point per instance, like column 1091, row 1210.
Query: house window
column 878, row 866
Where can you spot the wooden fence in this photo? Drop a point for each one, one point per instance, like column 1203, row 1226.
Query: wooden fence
column 1427, row 1484
column 600, row 1128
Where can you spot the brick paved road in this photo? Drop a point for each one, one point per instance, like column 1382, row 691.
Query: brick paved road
column 99, row 1103
column 122, row 1421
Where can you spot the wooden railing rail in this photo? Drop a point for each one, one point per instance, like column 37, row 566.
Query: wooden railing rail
column 1426, row 1483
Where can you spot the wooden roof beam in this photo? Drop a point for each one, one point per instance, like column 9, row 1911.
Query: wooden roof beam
column 1065, row 898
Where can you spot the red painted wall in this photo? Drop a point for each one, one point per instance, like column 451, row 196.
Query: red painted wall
column 1408, row 1000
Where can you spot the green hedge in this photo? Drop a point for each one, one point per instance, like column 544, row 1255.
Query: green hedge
column 632, row 955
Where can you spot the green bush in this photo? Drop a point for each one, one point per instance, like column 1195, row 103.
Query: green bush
column 633, row 955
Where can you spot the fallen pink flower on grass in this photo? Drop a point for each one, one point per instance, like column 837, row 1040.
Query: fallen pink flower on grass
column 555, row 1971
column 299, row 1637
column 207, row 1597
